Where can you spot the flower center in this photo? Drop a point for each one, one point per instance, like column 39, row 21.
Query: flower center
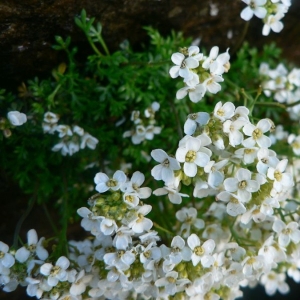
column 55, row 270
column 278, row 175
column 190, row 156
column 249, row 151
column 193, row 116
column 183, row 64
column 111, row 183
column 256, row 134
column 147, row 254
column 220, row 112
column 171, row 279
column 129, row 198
column 243, row 184
column 166, row 163
column 199, row 250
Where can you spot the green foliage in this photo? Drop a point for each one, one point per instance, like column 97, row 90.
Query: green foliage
column 98, row 96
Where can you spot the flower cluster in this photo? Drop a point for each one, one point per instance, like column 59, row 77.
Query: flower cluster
column 72, row 139
column 243, row 230
column 270, row 11
column 200, row 73
column 14, row 118
column 144, row 125
column 283, row 86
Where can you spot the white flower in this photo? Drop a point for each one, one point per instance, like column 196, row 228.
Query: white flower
column 242, row 183
column 211, row 83
column 140, row 223
column 170, row 282
column 234, row 206
column 90, row 221
column 168, row 164
column 194, row 120
column 273, row 22
column 16, row 118
column 56, row 273
column 108, row 226
column 266, row 158
column 233, row 275
column 134, row 186
column 79, row 285
column 174, row 196
column 64, row 130
column 273, row 282
column 120, row 259
column 188, row 218
column 210, row 60
column 33, row 246
column 191, row 156
column 179, row 251
column 256, row 134
column 235, row 252
column 286, row 232
column 255, row 7
column 50, row 117
column 183, row 65
column 104, row 183
column 196, row 92
column 150, row 253
column 6, row 259
column 201, row 253
column 247, row 154
column 215, row 177
column 221, row 64
column 123, row 238
column 61, row 146
column 78, row 130
column 280, row 178
column 224, row 112
column 232, row 128
column 88, row 141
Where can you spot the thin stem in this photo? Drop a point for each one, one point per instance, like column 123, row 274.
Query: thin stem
column 50, row 219
column 255, row 100
column 242, row 38
column 162, row 229
column 271, row 104
column 21, row 220
column 101, row 41
column 179, row 129
column 93, row 45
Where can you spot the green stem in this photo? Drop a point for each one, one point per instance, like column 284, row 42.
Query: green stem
column 93, row 45
column 50, row 219
column 255, row 100
column 21, row 220
column 162, row 228
column 101, row 41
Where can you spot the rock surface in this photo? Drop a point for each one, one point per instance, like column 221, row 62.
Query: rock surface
column 28, row 27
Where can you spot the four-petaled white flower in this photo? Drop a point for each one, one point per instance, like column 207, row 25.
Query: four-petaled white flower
column 190, row 155
column 201, row 253
column 256, row 134
column 255, row 7
column 16, row 118
column 286, row 233
column 104, row 183
column 56, row 273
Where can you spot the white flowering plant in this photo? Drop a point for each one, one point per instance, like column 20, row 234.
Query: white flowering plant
column 196, row 180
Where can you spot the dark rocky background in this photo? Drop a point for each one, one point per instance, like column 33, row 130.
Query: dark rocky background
column 27, row 30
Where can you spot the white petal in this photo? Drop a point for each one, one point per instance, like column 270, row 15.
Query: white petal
column 246, row 13
column 190, row 169
column 159, row 155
